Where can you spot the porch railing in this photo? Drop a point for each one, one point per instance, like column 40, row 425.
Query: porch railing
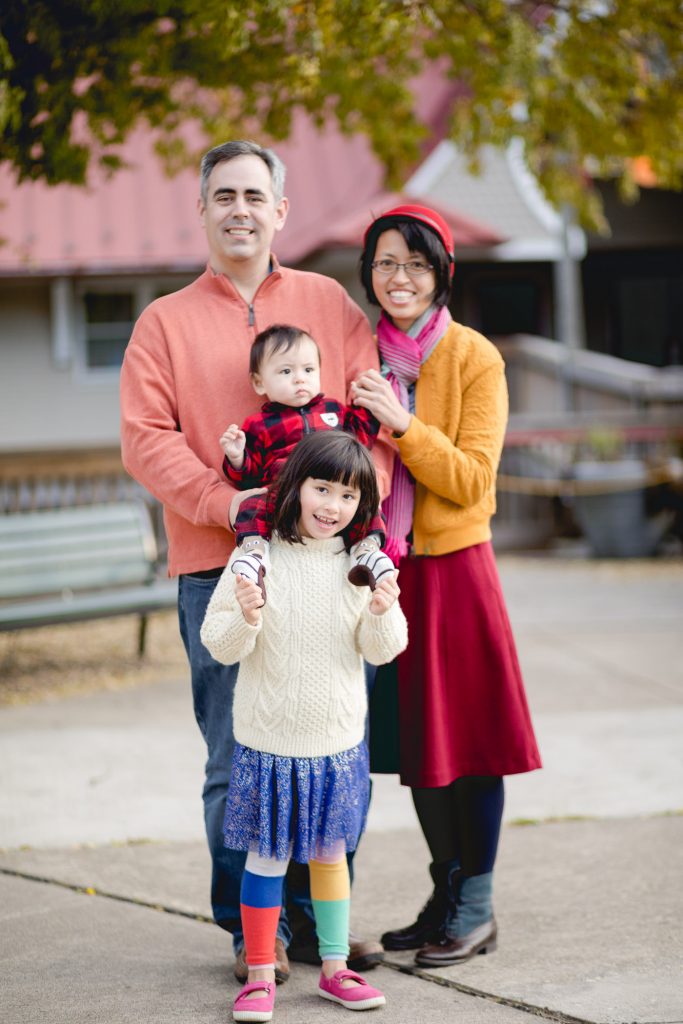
column 536, row 475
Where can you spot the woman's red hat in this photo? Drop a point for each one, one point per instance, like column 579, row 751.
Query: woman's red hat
column 424, row 215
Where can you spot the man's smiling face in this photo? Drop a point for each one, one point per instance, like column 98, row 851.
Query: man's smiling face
column 241, row 215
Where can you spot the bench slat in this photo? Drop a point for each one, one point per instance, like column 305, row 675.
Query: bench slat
column 30, row 563
column 72, row 564
column 84, row 517
column 80, row 525
column 74, row 578
column 74, row 539
column 155, row 597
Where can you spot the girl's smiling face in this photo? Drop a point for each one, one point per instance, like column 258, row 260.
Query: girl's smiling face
column 327, row 507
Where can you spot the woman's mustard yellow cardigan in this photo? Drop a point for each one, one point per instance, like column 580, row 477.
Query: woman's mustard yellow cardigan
column 454, row 442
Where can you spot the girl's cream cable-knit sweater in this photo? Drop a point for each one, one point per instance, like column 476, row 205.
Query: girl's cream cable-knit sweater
column 301, row 689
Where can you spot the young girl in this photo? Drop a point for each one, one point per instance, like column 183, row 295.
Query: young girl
column 300, row 782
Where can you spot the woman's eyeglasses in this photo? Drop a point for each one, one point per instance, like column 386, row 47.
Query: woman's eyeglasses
column 413, row 268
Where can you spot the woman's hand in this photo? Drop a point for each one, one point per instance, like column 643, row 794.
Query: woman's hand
column 371, row 391
column 384, row 595
column 250, row 599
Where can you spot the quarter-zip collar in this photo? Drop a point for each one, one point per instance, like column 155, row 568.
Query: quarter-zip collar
column 223, row 282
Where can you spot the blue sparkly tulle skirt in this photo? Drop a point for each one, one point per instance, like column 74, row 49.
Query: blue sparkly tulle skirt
column 303, row 807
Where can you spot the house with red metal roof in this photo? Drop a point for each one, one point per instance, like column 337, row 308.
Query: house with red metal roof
column 79, row 264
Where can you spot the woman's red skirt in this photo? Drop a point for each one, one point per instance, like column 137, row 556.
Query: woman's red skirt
column 462, row 705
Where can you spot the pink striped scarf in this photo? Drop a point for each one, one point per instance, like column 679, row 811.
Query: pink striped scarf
column 404, row 355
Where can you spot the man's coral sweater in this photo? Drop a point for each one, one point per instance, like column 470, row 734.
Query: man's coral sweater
column 185, row 376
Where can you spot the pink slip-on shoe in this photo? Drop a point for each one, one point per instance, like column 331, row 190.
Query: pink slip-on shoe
column 356, row 997
column 257, row 1009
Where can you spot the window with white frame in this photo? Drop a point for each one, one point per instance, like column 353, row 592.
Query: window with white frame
column 108, row 310
column 109, row 319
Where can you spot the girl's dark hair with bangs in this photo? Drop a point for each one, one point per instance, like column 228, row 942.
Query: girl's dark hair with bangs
column 419, row 238
column 325, row 455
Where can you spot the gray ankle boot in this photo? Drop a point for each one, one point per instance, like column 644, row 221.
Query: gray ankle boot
column 470, row 926
column 473, row 905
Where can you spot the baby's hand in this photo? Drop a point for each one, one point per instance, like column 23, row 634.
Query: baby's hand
column 250, row 599
column 233, row 442
column 384, row 595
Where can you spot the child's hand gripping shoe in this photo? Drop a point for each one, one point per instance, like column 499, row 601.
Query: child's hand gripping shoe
column 359, row 996
column 252, row 561
column 369, row 565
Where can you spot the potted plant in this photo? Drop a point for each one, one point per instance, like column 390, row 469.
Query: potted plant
column 609, row 503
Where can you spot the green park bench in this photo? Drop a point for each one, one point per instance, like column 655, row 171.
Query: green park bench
column 73, row 564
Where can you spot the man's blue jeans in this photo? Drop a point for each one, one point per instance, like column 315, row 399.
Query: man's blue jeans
column 212, row 689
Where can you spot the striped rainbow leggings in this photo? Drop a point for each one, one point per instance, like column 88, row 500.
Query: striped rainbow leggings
column 261, row 900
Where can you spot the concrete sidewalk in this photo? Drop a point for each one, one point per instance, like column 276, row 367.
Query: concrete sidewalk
column 101, row 793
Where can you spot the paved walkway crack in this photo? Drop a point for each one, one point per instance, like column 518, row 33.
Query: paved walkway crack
column 85, row 890
column 517, row 1004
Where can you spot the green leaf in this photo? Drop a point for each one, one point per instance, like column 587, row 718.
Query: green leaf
column 587, row 87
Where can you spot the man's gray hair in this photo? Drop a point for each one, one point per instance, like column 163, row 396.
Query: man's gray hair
column 243, row 147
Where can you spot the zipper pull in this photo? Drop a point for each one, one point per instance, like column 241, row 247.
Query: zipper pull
column 252, row 319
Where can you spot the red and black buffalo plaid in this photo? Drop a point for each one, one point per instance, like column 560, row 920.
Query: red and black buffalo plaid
column 272, row 435
column 274, row 432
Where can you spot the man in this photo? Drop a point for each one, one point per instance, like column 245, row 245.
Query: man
column 184, row 377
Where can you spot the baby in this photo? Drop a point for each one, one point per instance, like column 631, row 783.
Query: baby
column 284, row 365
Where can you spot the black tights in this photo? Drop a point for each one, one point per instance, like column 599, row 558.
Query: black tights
column 461, row 822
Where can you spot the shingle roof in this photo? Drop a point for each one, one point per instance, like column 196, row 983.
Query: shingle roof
column 503, row 195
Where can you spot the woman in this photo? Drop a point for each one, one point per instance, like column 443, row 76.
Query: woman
column 464, row 721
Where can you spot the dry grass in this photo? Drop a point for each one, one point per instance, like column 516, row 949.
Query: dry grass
column 63, row 661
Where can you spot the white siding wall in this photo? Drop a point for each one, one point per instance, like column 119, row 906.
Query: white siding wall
column 42, row 407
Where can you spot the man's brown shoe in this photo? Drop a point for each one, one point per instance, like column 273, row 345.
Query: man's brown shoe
column 281, row 964
column 364, row 954
column 241, row 970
